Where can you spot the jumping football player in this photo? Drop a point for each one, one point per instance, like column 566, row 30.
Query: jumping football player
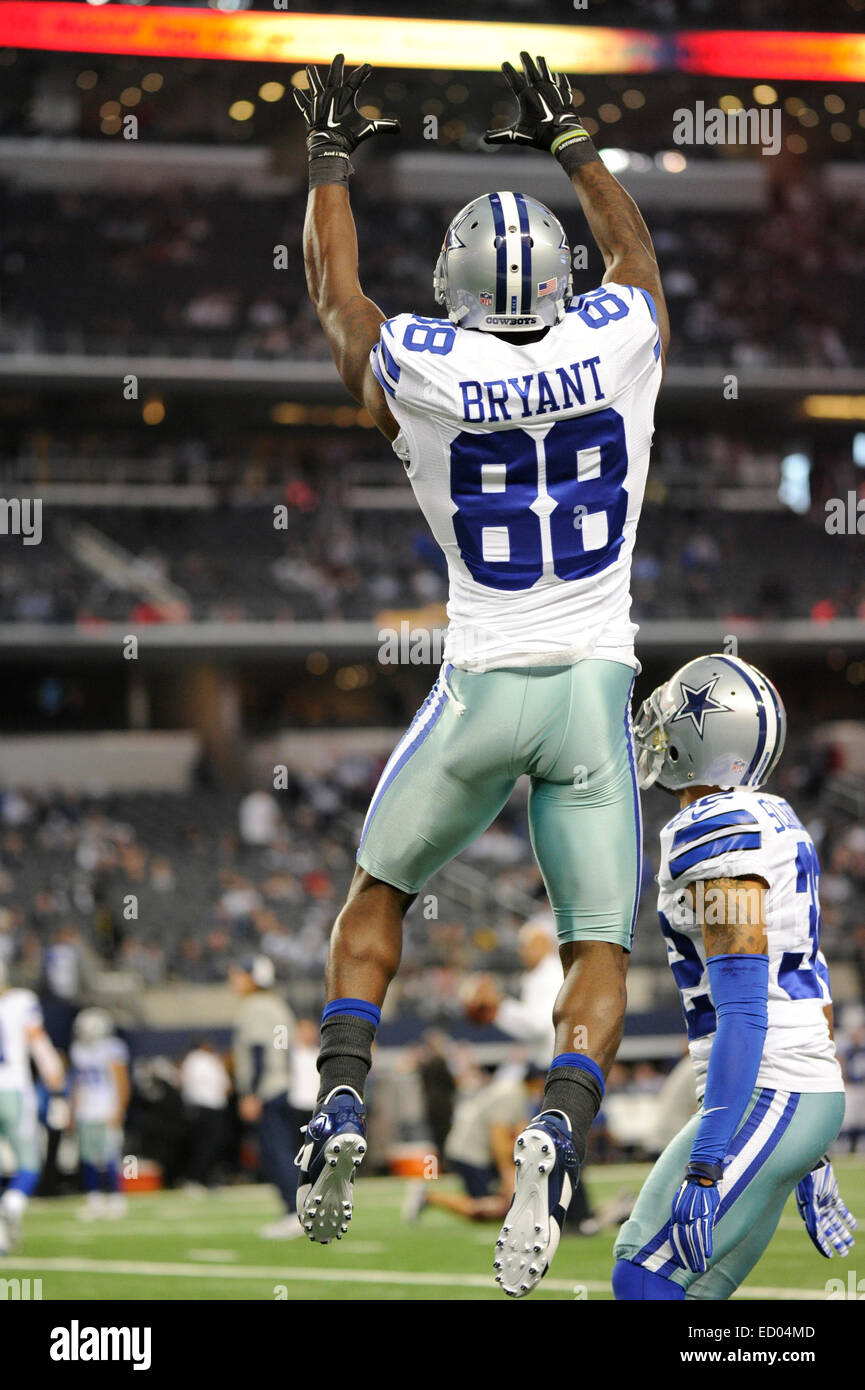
column 740, row 913
column 100, row 1095
column 524, row 421
column 22, row 1037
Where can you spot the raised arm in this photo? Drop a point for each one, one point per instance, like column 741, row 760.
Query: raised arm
column 350, row 320
column 547, row 121
column 622, row 236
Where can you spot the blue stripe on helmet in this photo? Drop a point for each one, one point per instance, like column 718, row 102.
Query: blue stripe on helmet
column 501, row 254
column 525, row 237
column 761, row 716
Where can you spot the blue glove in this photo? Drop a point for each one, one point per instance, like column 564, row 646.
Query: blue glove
column 693, row 1216
column 827, row 1220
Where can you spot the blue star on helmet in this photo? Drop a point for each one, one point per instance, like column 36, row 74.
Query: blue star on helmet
column 697, row 703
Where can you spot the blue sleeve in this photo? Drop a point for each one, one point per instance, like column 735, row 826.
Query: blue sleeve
column 740, row 990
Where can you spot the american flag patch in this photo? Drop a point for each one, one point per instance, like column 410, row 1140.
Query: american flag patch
column 485, row 298
column 546, row 287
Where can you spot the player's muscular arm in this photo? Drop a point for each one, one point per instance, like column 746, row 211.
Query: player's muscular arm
column 622, row 236
column 335, row 126
column 732, row 916
column 546, row 119
column 351, row 322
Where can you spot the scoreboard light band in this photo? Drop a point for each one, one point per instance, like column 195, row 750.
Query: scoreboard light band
column 463, row 45
column 255, row 36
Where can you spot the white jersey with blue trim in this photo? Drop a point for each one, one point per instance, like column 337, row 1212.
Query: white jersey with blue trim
column 751, row 834
column 529, row 462
column 94, row 1086
column 19, row 1012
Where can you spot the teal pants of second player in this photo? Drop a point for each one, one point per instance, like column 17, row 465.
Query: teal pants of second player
column 781, row 1137
column 569, row 729
column 20, row 1128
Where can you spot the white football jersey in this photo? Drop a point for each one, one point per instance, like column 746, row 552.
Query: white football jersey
column 19, row 1012
column 750, row 834
column 95, row 1091
column 529, row 463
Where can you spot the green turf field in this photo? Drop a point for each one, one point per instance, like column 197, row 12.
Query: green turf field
column 179, row 1246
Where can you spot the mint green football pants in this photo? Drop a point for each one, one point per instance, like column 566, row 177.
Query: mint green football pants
column 99, row 1144
column 568, row 728
column 19, row 1126
column 781, row 1137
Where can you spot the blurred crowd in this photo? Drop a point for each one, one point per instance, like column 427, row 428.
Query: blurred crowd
column 288, row 527
column 159, row 273
column 174, row 888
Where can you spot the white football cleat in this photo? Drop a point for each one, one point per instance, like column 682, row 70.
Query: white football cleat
column 547, row 1173
column 333, row 1148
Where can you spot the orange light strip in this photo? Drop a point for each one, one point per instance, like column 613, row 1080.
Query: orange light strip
column 779, row 55
column 59, row 26
column 308, row 38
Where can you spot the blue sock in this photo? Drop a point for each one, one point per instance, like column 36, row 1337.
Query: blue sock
column 635, row 1284
column 347, row 1034
column 352, row 1008
column 25, row 1180
column 90, row 1175
column 575, row 1085
column 112, row 1174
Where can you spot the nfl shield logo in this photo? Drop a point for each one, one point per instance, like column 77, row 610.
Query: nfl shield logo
column 485, row 299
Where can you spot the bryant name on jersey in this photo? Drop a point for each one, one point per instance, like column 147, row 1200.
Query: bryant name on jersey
column 530, row 473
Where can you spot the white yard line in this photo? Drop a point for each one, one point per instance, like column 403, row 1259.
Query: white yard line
column 282, row 1275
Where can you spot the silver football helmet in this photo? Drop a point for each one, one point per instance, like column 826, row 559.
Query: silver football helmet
column 92, row 1025
column 718, row 722
column 504, row 266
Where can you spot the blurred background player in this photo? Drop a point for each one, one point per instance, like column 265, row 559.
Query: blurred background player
column 205, row 1087
column 740, row 911
column 22, row 1037
column 263, row 1077
column 100, row 1095
column 528, row 1017
column 535, row 505
column 488, row 1116
column 303, row 1088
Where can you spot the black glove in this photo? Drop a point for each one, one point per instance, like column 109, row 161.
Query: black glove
column 334, row 125
column 545, row 119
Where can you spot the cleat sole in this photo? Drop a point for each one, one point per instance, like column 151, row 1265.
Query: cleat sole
column 327, row 1206
column 530, row 1237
